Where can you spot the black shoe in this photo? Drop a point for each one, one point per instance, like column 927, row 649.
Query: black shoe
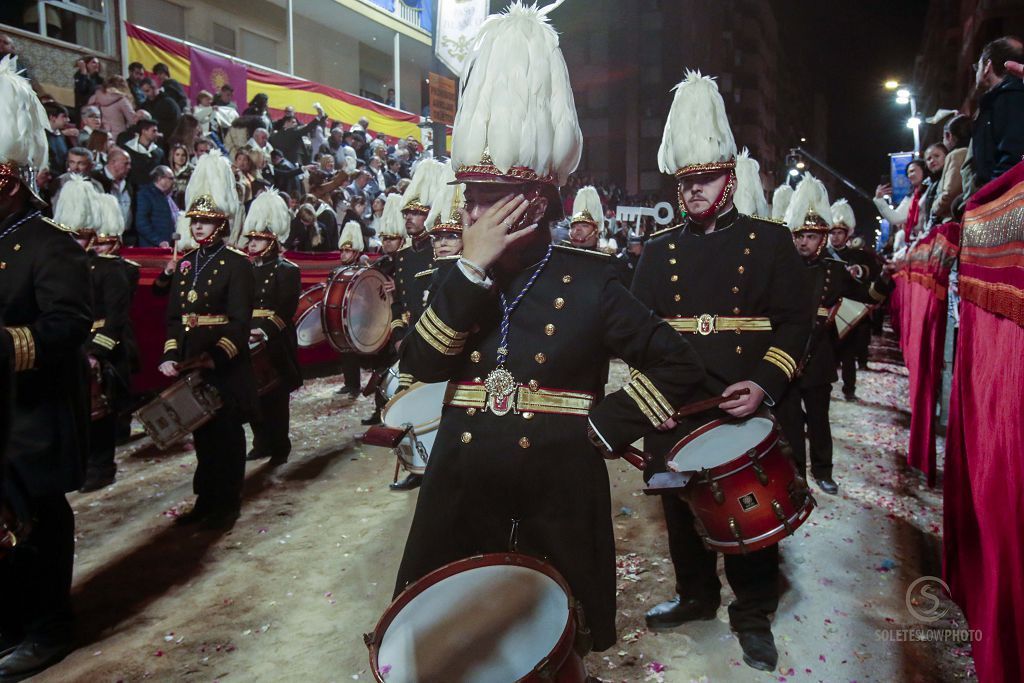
column 372, row 420
column 94, row 481
column 827, row 484
column 351, row 392
column 850, row 396
column 278, row 460
column 676, row 612
column 408, row 484
column 193, row 516
column 29, row 658
column 758, row 649
column 255, row 455
column 222, row 520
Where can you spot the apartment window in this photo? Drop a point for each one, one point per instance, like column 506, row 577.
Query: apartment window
column 158, row 15
column 86, row 23
column 223, row 39
column 258, row 49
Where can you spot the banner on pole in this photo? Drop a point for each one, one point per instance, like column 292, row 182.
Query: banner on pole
column 458, row 22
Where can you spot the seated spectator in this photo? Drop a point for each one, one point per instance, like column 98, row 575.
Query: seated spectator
column 186, row 132
column 114, row 180
column 287, row 176
column 91, row 120
column 357, row 188
column 170, row 86
column 99, row 144
column 181, row 168
column 202, row 146
column 288, row 111
column 310, row 234
column 998, row 137
column 258, row 108
column 136, row 74
column 391, row 173
column 116, row 110
column 260, row 142
column 60, row 137
column 87, row 79
column 156, row 212
column 289, row 138
column 80, row 162
column 162, row 107
column 225, row 97
column 245, row 174
column 144, row 153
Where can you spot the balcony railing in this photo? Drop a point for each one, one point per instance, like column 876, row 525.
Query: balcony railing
column 406, row 13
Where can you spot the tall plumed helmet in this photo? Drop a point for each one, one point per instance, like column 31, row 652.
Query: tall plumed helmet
column 77, row 205
column 842, row 216
column 697, row 136
column 391, row 220
column 268, row 218
column 586, row 208
column 183, row 229
column 23, row 148
column 516, row 121
column 749, row 196
column 780, row 201
column 809, row 209
column 110, row 220
column 445, row 215
column 441, row 204
column 210, row 192
column 351, row 237
column 425, row 185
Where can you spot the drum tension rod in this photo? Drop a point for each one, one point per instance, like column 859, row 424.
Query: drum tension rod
column 716, row 490
column 734, row 527
column 780, row 514
column 758, row 470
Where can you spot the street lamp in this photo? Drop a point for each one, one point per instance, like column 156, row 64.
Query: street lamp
column 891, row 84
column 903, row 97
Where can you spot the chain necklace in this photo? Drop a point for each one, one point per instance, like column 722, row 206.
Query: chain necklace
column 193, row 295
column 500, row 383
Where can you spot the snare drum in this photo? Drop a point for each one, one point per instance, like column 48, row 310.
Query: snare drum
column 420, row 406
column 389, row 383
column 263, row 368
column 356, row 313
column 745, row 493
column 308, row 327
column 180, row 409
column 449, row 627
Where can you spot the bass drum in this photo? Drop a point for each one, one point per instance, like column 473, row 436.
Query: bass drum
column 420, row 406
column 356, row 313
column 308, row 327
column 449, row 627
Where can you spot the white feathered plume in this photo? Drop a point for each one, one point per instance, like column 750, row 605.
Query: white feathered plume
column 442, row 195
column 391, row 220
column 351, row 237
column 810, row 196
column 424, row 186
column 22, row 135
column 109, row 219
column 183, row 228
column 212, row 178
column 516, row 102
column 76, row 205
column 588, row 204
column 749, row 195
column 780, row 201
column 842, row 215
column 697, row 130
column 268, row 214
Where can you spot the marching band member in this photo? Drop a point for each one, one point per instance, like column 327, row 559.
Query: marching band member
column 208, row 321
column 46, row 316
column 517, row 462
column 588, row 230
column 749, row 197
column 350, row 248
column 278, row 287
column 806, row 402
column 731, row 285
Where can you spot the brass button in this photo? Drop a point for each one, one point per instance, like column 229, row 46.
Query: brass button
column 674, row 278
column 549, row 329
column 527, row 416
column 524, row 442
column 677, row 297
column 533, row 384
column 478, row 379
column 735, row 290
column 567, row 279
column 740, row 270
column 736, row 310
column 470, row 411
column 466, row 437
column 752, row 236
column 737, row 331
column 746, row 252
column 671, row 261
column 739, row 349
column 671, row 245
column 559, row 303
column 475, row 356
column 540, row 358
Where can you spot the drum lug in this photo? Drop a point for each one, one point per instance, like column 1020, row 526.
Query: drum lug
column 761, row 475
column 780, row 514
column 716, row 490
column 734, row 527
column 545, row 670
column 369, row 639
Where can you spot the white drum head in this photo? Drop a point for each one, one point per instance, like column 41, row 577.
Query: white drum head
column 391, row 381
column 419, row 405
column 309, row 330
column 484, row 625
column 721, row 444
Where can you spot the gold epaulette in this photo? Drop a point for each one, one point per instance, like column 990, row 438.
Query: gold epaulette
column 237, row 251
column 55, row 224
column 769, row 219
column 109, row 256
column 448, row 258
column 132, row 263
column 290, row 263
column 663, row 231
column 577, row 250
column 424, row 273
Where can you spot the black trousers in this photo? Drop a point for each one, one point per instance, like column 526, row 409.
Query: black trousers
column 102, row 441
column 754, row 577
column 853, row 349
column 350, row 370
column 220, row 450
column 808, row 406
column 270, row 431
column 35, row 579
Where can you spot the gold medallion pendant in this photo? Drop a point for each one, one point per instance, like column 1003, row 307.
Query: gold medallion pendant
column 192, row 296
column 500, row 385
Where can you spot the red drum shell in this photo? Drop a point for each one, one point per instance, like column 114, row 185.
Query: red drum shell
column 307, row 316
column 739, row 510
column 356, row 314
column 562, row 665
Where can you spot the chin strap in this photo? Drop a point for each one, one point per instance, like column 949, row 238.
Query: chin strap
column 269, row 251
column 716, row 206
column 214, row 237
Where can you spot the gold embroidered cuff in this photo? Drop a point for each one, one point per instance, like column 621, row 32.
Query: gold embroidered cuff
column 24, row 348
column 228, row 347
column 439, row 335
column 398, row 323
column 405, row 379
column 651, row 402
column 170, row 345
column 103, row 340
column 781, row 360
column 875, row 294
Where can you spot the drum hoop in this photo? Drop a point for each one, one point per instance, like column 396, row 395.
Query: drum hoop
column 414, row 589
column 726, row 468
column 349, row 273
column 299, row 316
column 419, row 429
column 797, row 519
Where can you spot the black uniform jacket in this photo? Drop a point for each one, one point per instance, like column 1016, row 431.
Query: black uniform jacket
column 224, row 291
column 828, row 281
column 278, row 287
column 746, row 267
column 486, row 470
column 409, row 289
column 112, row 341
column 46, row 311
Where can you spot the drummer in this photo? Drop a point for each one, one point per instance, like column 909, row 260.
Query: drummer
column 717, row 271
column 350, row 253
column 807, row 400
column 209, row 314
column 278, row 287
column 445, row 221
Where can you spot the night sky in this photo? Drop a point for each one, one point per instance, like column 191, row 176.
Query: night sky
column 851, row 48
